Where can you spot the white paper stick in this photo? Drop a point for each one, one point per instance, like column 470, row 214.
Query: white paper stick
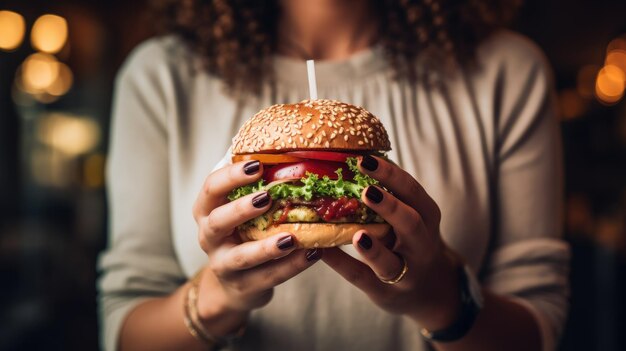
column 310, row 68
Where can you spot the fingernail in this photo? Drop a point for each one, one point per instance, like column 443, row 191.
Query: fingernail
column 285, row 243
column 365, row 242
column 369, row 163
column 375, row 195
column 251, row 167
column 313, row 255
column 261, row 200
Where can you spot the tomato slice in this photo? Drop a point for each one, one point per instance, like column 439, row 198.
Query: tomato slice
column 299, row 169
column 322, row 155
column 269, row 159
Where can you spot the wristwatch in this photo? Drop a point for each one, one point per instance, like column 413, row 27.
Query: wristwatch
column 471, row 304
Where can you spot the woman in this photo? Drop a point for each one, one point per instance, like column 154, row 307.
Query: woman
column 470, row 115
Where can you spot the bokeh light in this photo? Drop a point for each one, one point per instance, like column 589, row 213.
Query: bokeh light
column 39, row 71
column 618, row 43
column 70, row 134
column 49, row 33
column 571, row 104
column 62, row 83
column 12, row 28
column 610, row 84
column 617, row 58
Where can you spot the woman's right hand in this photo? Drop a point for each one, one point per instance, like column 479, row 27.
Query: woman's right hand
column 240, row 276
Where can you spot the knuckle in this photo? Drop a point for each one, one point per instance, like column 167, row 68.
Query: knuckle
column 211, row 225
column 269, row 248
column 393, row 205
column 239, row 260
column 207, row 186
column 202, row 240
column 386, row 171
column 239, row 286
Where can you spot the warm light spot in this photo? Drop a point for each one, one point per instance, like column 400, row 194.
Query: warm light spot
column 12, row 29
column 94, row 171
column 39, row 71
column 610, row 84
column 62, row 83
column 586, row 80
column 571, row 104
column 49, row 33
column 70, row 134
column 618, row 43
column 617, row 58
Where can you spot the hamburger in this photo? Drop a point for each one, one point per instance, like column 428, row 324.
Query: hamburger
column 309, row 154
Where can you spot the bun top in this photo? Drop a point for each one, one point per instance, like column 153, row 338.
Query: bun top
column 311, row 125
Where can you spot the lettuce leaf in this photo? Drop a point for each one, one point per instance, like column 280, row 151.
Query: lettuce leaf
column 312, row 185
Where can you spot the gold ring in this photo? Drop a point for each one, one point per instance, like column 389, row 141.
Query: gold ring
column 400, row 276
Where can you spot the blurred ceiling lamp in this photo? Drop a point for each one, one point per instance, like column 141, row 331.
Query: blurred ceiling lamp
column 610, row 84
column 12, row 28
column 49, row 33
column 39, row 71
column 70, row 134
column 586, row 81
column 571, row 104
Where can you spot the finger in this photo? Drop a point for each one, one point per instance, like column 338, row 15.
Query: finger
column 402, row 185
column 406, row 222
column 273, row 273
column 253, row 253
column 223, row 219
column 386, row 264
column 352, row 270
column 221, row 182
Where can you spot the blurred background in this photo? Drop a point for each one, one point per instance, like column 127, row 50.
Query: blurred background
column 58, row 60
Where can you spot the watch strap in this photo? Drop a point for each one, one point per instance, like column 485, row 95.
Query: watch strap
column 470, row 308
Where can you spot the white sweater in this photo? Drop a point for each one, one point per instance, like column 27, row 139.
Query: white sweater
column 483, row 142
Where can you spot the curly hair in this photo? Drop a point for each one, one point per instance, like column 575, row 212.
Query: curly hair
column 236, row 38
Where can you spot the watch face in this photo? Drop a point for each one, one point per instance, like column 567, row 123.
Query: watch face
column 473, row 287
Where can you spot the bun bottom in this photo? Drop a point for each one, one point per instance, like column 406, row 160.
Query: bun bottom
column 311, row 235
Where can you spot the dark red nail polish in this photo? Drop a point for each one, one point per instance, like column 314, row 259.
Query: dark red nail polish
column 369, row 163
column 261, row 200
column 365, row 242
column 251, row 167
column 285, row 243
column 313, row 255
column 375, row 195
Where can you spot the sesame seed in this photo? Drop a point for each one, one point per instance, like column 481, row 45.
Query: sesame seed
column 309, row 135
column 360, row 142
column 345, row 137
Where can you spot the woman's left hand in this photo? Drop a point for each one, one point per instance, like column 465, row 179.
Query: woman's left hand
column 428, row 293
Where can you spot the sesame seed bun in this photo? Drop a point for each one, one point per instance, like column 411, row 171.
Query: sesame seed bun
column 311, row 125
column 312, row 235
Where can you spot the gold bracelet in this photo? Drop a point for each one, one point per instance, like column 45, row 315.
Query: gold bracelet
column 192, row 317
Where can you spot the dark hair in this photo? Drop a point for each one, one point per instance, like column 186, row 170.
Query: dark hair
column 236, row 38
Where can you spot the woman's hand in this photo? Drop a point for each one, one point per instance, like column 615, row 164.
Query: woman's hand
column 240, row 276
column 428, row 293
